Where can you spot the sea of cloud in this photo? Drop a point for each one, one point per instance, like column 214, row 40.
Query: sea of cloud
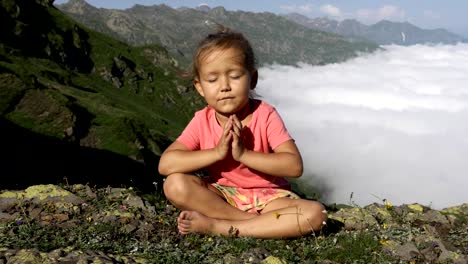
column 389, row 125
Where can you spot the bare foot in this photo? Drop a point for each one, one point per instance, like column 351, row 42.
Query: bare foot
column 195, row 222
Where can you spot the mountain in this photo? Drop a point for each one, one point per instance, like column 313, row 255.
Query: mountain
column 78, row 104
column 383, row 33
column 274, row 38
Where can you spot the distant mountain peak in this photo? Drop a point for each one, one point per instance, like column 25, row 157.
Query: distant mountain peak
column 77, row 2
column 219, row 10
column 78, row 6
column 383, row 32
column 45, row 2
column 203, row 7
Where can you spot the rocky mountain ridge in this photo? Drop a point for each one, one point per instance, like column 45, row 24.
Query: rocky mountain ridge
column 274, row 38
column 383, row 33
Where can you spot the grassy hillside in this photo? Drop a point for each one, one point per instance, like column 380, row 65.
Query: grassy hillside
column 73, row 87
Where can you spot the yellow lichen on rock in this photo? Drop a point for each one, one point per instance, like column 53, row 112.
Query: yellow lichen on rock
column 416, row 207
column 10, row 194
column 273, row 260
column 456, row 210
column 27, row 256
column 389, row 245
column 42, row 192
column 120, row 214
column 380, row 212
column 337, row 218
column 354, row 218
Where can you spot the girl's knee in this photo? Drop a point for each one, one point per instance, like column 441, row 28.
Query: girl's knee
column 178, row 186
column 174, row 185
column 315, row 214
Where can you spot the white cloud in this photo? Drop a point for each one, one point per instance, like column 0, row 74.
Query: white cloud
column 431, row 14
column 391, row 125
column 387, row 12
column 308, row 8
column 331, row 10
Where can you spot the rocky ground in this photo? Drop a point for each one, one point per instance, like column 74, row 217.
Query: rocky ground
column 80, row 224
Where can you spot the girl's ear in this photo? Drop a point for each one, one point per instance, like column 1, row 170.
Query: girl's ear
column 253, row 80
column 197, row 85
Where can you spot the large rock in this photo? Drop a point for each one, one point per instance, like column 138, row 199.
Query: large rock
column 354, row 218
column 380, row 213
column 39, row 194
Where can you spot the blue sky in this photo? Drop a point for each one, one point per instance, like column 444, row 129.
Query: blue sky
column 428, row 14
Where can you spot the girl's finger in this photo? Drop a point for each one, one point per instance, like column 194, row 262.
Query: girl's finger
column 237, row 131
column 229, row 136
column 227, row 127
column 235, row 143
column 237, row 122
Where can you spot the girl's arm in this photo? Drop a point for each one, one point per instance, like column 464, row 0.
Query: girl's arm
column 177, row 158
column 285, row 161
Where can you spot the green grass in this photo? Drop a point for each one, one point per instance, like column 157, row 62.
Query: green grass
column 361, row 246
column 27, row 121
column 165, row 245
column 148, row 105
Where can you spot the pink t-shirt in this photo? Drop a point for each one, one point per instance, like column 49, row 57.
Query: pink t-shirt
column 264, row 133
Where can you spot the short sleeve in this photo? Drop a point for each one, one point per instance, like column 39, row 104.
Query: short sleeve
column 190, row 137
column 276, row 130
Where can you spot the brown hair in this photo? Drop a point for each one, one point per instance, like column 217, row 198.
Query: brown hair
column 224, row 38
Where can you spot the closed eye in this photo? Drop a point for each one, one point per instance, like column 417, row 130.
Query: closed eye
column 236, row 75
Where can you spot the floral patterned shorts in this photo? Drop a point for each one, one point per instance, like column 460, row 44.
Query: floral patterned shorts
column 252, row 200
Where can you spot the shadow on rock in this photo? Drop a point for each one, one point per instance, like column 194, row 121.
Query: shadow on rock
column 28, row 158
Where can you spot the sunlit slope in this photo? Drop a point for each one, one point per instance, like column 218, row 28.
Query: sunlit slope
column 61, row 80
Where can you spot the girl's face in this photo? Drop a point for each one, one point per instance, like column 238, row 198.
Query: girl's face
column 224, row 81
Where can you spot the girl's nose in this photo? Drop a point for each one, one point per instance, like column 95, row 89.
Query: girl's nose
column 225, row 84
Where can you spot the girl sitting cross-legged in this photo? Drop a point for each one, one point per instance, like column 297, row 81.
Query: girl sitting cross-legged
column 244, row 146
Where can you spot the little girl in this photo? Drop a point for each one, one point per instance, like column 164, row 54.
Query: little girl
column 244, row 146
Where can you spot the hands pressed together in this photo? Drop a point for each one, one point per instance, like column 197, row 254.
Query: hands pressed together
column 231, row 140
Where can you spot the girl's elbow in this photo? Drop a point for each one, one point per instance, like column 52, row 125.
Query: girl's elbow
column 162, row 171
column 295, row 168
column 296, row 171
column 163, row 168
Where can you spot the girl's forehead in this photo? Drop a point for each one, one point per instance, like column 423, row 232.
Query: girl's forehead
column 232, row 55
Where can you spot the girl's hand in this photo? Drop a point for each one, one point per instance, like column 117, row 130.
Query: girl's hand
column 222, row 148
column 238, row 147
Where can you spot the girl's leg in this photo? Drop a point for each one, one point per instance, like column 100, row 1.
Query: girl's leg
column 281, row 218
column 189, row 192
